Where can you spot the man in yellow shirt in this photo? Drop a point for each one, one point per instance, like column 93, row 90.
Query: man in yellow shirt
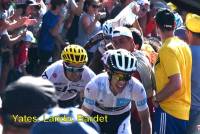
column 173, row 79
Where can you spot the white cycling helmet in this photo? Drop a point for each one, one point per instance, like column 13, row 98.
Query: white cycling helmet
column 107, row 27
column 121, row 60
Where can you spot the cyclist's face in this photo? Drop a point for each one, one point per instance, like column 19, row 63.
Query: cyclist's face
column 73, row 71
column 123, row 42
column 119, row 81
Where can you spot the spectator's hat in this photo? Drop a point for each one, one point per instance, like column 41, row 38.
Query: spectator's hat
column 29, row 37
column 122, row 31
column 95, row 3
column 32, row 3
column 159, row 5
column 29, row 96
column 171, row 6
column 143, row 2
column 165, row 19
column 193, row 22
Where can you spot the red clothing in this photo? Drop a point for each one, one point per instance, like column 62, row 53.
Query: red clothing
column 151, row 25
column 22, row 55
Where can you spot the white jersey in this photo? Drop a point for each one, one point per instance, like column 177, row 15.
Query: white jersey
column 66, row 89
column 99, row 97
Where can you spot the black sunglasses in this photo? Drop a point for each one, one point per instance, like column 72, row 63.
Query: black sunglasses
column 73, row 69
column 95, row 6
column 121, row 77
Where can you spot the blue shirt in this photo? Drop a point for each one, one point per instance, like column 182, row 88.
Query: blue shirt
column 195, row 82
column 46, row 40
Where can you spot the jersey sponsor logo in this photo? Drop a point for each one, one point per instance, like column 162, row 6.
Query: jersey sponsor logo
column 88, row 90
column 122, row 102
column 141, row 102
column 89, row 101
column 54, row 75
column 44, row 75
column 101, row 85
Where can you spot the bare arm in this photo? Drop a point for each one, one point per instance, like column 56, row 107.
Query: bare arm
column 24, row 21
column 77, row 8
column 55, row 30
column 88, row 111
column 87, row 25
column 11, row 41
column 146, row 126
column 60, row 40
column 171, row 87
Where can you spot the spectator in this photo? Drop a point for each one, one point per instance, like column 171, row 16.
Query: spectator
column 89, row 24
column 24, row 101
column 51, row 24
column 70, row 75
column 7, row 41
column 150, row 28
column 193, row 33
column 173, row 79
column 21, row 57
column 111, row 93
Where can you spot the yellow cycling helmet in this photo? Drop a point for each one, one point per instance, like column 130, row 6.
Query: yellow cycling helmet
column 74, row 54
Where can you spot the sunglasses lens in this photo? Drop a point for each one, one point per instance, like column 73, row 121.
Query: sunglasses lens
column 73, row 69
column 122, row 77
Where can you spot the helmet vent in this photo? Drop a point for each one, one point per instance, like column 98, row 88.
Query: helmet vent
column 72, row 57
column 126, row 62
column 77, row 57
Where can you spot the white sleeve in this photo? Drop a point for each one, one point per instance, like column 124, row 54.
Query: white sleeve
column 91, row 73
column 139, row 96
column 90, row 95
column 48, row 72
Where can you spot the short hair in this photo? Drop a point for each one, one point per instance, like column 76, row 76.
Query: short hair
column 165, row 20
column 55, row 3
column 194, row 34
column 137, row 38
column 87, row 3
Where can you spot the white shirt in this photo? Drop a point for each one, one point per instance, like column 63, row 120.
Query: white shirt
column 66, row 89
column 99, row 98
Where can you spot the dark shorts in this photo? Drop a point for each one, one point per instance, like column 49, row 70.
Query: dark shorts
column 44, row 56
column 163, row 123
column 113, row 122
column 194, row 122
column 76, row 101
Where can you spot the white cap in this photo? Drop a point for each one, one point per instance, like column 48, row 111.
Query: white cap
column 122, row 31
column 29, row 37
column 143, row 2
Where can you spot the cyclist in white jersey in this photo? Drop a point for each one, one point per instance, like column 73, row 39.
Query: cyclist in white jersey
column 111, row 93
column 70, row 75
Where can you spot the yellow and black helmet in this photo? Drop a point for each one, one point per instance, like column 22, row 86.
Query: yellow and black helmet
column 74, row 54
